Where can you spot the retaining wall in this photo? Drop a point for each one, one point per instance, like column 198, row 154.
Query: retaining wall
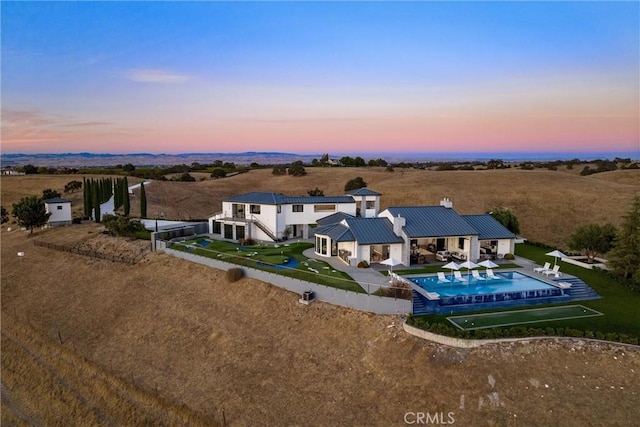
column 341, row 297
column 471, row 343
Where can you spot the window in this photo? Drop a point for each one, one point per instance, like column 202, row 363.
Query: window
column 297, row 208
column 59, row 208
column 321, row 245
column 279, row 209
column 371, row 204
column 228, row 231
column 324, row 208
column 216, row 227
column 254, row 209
column 460, row 242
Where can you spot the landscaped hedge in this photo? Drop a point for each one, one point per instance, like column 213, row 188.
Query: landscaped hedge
column 516, row 332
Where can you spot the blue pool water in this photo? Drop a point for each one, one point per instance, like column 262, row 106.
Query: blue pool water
column 291, row 263
column 509, row 282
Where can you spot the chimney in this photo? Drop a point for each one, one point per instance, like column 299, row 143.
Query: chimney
column 398, row 223
column 446, row 203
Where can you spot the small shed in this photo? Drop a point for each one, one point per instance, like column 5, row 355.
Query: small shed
column 60, row 210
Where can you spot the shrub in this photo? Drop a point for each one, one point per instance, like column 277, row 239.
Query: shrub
column 117, row 225
column 247, row 242
column 363, row 264
column 218, row 173
column 279, row 170
column 354, row 184
column 234, row 274
column 509, row 256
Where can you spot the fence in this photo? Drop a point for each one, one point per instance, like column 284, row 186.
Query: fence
column 359, row 301
column 89, row 252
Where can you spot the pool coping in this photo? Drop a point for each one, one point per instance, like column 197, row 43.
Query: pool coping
column 544, row 280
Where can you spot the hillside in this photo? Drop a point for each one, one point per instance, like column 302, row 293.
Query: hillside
column 87, row 341
column 548, row 204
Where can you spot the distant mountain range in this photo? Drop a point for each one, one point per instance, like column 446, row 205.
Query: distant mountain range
column 270, row 157
column 148, row 159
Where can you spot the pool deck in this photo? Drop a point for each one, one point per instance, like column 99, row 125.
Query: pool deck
column 373, row 275
column 526, row 268
column 364, row 276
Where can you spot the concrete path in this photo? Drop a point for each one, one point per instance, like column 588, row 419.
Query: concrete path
column 364, row 276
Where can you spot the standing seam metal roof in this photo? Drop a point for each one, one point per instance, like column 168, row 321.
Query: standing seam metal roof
column 432, row 221
column 372, row 231
column 260, row 198
column 363, row 192
column 57, row 200
column 337, row 232
column 488, row 227
column 333, row 218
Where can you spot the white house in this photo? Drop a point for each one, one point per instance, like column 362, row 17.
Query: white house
column 352, row 228
column 273, row 216
column 413, row 233
column 60, row 210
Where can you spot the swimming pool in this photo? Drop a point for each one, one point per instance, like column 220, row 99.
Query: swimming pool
column 509, row 283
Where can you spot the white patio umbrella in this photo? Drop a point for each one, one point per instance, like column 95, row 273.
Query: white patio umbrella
column 451, row 266
column 391, row 262
column 487, row 263
column 556, row 254
column 468, row 265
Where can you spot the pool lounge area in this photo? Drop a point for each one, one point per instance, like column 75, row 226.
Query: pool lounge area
column 508, row 289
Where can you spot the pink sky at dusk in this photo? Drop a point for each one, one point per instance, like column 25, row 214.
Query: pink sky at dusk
column 321, row 77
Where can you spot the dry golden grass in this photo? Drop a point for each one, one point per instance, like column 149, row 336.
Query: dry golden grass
column 45, row 383
column 149, row 338
column 548, row 204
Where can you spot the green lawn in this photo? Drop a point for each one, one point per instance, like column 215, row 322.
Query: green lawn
column 518, row 317
column 619, row 305
column 270, row 258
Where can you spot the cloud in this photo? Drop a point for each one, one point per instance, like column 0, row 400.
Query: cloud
column 34, row 129
column 155, row 75
column 83, row 124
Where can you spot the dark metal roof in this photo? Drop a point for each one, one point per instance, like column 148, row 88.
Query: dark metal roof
column 432, row 221
column 488, row 227
column 260, row 198
column 334, row 218
column 57, row 200
column 363, row 192
column 373, row 231
column 337, row 232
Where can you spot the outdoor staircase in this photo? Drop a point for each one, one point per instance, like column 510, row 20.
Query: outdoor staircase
column 579, row 290
column 420, row 304
column 264, row 228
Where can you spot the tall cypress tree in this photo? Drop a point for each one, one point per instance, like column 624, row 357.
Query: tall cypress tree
column 143, row 201
column 85, row 202
column 116, row 194
column 88, row 198
column 125, row 197
column 96, row 203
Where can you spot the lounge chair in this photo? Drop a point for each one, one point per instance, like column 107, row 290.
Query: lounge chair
column 555, row 271
column 547, row 266
column 476, row 275
column 491, row 275
column 442, row 278
column 457, row 276
column 563, row 285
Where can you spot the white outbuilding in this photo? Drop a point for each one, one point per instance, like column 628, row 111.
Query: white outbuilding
column 60, row 210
